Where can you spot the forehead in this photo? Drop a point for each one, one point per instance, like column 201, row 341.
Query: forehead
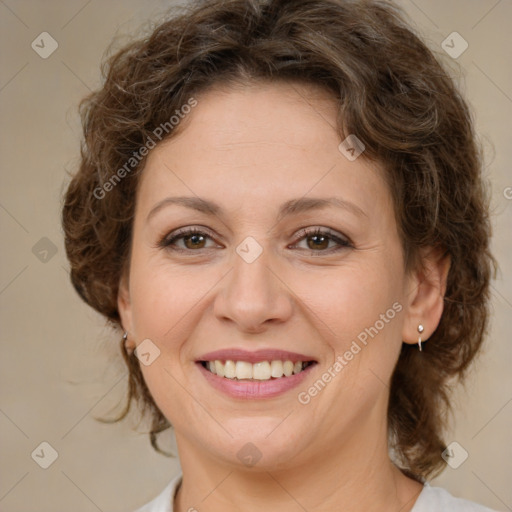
column 262, row 141
column 237, row 120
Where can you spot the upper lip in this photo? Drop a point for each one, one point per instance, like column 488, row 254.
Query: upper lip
column 256, row 356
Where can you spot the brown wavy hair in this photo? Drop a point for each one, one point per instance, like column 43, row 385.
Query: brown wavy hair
column 391, row 91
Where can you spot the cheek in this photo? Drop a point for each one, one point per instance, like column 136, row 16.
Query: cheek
column 169, row 305
column 163, row 295
column 154, row 304
column 165, row 305
column 351, row 299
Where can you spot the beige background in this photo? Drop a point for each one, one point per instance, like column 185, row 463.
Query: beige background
column 58, row 361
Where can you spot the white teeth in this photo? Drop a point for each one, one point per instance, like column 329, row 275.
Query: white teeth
column 230, row 370
column 243, row 370
column 263, row 370
column 219, row 367
column 288, row 368
column 276, row 369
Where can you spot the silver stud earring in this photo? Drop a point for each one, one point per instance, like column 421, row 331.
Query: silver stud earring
column 420, row 330
column 129, row 351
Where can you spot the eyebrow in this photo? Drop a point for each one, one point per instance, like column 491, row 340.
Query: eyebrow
column 291, row 207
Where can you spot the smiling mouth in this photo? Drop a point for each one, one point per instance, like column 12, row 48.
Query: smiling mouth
column 261, row 371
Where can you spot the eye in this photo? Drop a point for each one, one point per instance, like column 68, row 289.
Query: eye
column 320, row 240
column 188, row 239
column 317, row 240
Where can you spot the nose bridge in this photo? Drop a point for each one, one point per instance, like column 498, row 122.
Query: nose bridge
column 253, row 295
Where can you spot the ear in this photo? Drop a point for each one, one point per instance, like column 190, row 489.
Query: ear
column 125, row 310
column 426, row 287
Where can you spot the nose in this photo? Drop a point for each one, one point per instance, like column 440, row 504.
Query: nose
column 253, row 296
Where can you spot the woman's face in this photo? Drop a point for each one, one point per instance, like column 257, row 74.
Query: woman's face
column 296, row 258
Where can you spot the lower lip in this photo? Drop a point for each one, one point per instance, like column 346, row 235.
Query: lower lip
column 253, row 389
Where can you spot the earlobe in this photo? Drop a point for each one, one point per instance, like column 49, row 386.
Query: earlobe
column 427, row 288
column 124, row 308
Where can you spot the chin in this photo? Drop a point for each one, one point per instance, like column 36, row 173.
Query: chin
column 262, row 446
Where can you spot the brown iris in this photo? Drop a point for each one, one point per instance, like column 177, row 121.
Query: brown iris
column 194, row 241
column 320, row 242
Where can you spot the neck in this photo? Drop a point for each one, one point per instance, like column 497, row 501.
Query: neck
column 355, row 475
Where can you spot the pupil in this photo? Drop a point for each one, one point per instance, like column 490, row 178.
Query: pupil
column 323, row 241
column 193, row 240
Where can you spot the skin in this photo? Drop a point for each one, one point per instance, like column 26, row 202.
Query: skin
column 250, row 149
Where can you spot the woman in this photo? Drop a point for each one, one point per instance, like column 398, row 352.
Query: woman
column 280, row 204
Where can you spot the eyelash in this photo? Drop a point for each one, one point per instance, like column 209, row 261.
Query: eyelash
column 168, row 241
